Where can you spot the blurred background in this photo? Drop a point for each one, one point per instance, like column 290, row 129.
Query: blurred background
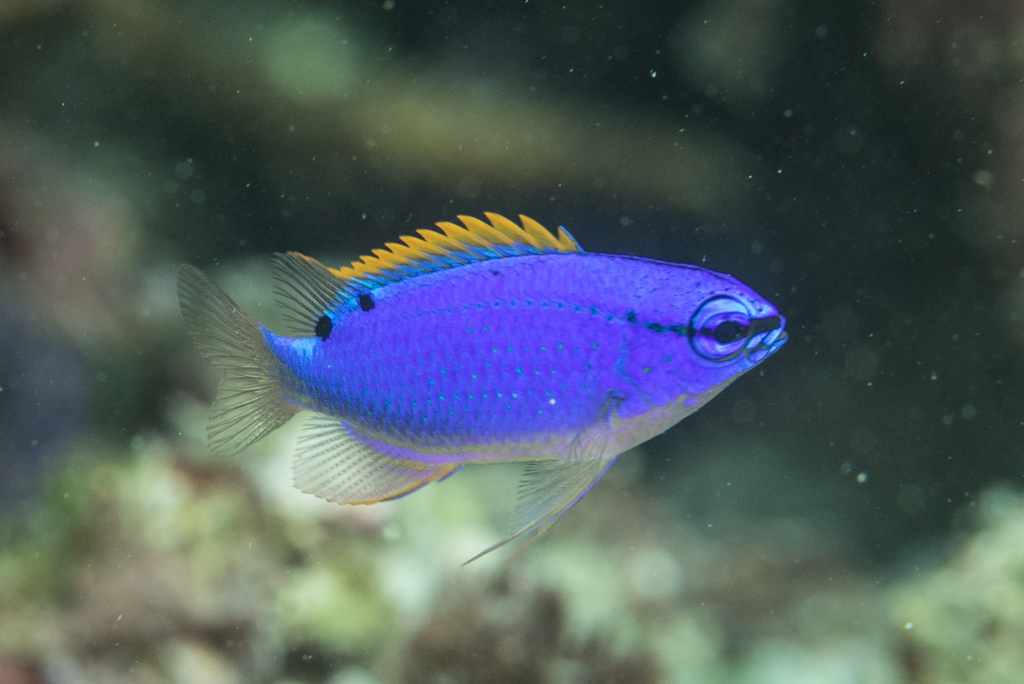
column 849, row 512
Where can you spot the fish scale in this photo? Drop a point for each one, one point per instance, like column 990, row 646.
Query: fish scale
column 490, row 342
column 511, row 358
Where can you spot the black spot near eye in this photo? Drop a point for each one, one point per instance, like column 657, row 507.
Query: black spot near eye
column 729, row 331
column 631, row 317
column 366, row 302
column 324, row 327
column 495, row 273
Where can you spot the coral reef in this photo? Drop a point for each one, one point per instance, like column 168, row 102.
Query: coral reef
column 159, row 568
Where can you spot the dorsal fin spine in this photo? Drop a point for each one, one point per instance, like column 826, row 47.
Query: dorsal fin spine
column 442, row 242
column 539, row 233
column 487, row 231
column 409, row 256
column 470, row 241
column 440, row 254
column 517, row 235
column 566, row 242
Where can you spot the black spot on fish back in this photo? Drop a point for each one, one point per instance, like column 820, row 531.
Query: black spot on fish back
column 366, row 302
column 324, row 327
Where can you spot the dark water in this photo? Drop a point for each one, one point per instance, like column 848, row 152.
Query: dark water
column 859, row 164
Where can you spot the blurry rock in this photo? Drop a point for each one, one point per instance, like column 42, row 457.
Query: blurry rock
column 843, row 661
column 43, row 396
column 70, row 240
column 512, row 631
column 964, row 623
column 335, row 604
column 189, row 662
column 14, row 671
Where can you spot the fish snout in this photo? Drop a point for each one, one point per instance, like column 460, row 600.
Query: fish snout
column 768, row 339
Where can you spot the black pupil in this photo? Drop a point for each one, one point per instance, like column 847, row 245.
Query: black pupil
column 323, row 327
column 729, row 331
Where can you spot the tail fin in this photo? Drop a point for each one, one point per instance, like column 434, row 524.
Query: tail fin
column 249, row 404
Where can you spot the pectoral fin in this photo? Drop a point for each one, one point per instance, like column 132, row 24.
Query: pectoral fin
column 550, row 488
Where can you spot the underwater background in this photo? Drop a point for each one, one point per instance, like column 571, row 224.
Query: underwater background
column 850, row 512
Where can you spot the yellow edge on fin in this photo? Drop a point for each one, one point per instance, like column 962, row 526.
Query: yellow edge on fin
column 432, row 474
column 459, row 245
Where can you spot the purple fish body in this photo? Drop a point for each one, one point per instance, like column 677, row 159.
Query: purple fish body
column 492, row 342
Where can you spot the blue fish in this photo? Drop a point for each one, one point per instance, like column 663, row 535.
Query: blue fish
column 485, row 342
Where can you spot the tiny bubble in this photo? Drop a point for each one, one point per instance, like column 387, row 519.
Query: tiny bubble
column 862, row 478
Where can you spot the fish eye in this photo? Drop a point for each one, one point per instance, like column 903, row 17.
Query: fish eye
column 720, row 329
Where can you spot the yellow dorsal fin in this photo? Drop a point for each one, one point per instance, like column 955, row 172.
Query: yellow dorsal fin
column 511, row 230
column 443, row 244
column 492, row 234
column 456, row 245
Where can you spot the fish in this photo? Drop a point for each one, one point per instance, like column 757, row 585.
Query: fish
column 486, row 342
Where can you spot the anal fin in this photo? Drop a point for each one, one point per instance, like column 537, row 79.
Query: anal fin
column 333, row 464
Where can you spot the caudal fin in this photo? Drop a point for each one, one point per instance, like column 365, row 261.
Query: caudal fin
column 249, row 404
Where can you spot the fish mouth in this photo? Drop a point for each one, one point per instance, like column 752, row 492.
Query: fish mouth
column 767, row 340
